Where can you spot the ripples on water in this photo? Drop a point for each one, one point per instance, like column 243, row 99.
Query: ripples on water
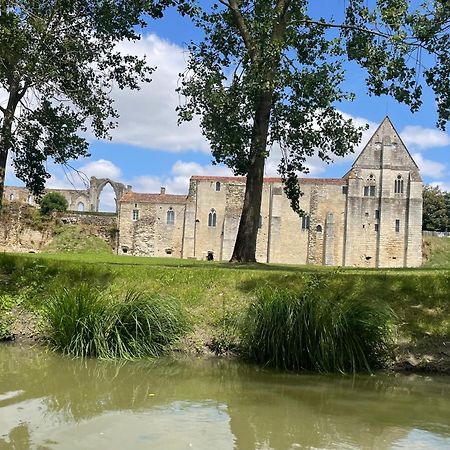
column 51, row 402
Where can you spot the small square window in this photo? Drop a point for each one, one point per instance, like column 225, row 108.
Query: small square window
column 377, row 214
column 344, row 190
column 377, row 227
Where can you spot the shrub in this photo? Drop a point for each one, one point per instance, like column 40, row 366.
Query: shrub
column 53, row 201
column 317, row 330
column 84, row 322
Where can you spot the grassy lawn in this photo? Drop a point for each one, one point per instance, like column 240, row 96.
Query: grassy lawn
column 213, row 291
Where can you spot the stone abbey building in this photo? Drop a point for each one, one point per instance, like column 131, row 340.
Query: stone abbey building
column 371, row 217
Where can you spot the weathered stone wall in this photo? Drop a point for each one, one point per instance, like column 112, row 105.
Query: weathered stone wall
column 19, row 232
column 150, row 234
column 22, row 231
column 77, row 200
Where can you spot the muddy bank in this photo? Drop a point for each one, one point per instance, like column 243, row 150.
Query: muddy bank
column 427, row 355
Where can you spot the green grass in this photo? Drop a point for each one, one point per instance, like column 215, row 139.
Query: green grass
column 214, row 292
column 436, row 252
column 75, row 239
column 85, row 322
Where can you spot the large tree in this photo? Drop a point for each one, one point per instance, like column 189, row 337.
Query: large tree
column 58, row 64
column 271, row 73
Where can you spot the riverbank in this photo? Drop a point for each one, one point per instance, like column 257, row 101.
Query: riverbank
column 214, row 294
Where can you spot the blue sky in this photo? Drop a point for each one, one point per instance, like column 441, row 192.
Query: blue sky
column 149, row 150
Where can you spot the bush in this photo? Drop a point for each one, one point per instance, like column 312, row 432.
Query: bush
column 53, row 201
column 84, row 322
column 317, row 330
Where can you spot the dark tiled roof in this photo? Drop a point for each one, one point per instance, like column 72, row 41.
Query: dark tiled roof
column 153, row 198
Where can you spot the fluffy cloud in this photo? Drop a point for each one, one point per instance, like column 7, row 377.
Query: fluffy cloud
column 421, row 138
column 429, row 168
column 178, row 180
column 101, row 168
column 443, row 185
column 147, row 117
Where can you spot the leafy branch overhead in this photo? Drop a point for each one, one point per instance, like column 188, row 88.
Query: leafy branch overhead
column 59, row 62
column 281, row 63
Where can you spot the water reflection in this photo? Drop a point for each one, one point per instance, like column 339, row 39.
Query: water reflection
column 47, row 401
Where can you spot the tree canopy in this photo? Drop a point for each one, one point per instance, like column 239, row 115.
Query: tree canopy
column 53, row 201
column 58, row 64
column 436, row 209
column 272, row 73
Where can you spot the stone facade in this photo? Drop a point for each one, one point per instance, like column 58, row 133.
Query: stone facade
column 372, row 217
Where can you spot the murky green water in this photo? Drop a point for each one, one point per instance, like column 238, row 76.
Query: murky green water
column 50, row 402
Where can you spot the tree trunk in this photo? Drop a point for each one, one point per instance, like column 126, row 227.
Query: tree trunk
column 245, row 245
column 6, row 132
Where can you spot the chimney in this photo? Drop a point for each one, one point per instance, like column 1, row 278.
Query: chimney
column 163, row 190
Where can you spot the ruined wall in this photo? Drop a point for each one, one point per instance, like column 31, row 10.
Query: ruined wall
column 22, row 231
column 77, row 200
column 19, row 231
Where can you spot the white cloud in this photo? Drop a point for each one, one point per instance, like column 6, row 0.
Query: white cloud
column 443, row 185
column 101, row 168
column 421, row 138
column 428, row 167
column 177, row 182
column 147, row 117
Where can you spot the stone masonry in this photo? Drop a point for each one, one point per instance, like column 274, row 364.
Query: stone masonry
column 371, row 217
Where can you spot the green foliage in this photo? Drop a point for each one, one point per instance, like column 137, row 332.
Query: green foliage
column 74, row 239
column 53, row 201
column 317, row 330
column 436, row 209
column 60, row 61
column 6, row 316
column 84, row 322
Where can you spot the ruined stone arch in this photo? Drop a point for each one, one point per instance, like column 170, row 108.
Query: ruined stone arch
column 96, row 187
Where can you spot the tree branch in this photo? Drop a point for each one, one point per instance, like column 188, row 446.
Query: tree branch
column 242, row 26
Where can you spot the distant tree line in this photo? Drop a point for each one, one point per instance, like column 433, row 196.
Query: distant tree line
column 436, row 209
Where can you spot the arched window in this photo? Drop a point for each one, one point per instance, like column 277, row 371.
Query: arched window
column 319, row 228
column 212, row 218
column 170, row 216
column 398, row 185
column 80, row 206
column 11, row 197
column 217, row 186
column 30, row 199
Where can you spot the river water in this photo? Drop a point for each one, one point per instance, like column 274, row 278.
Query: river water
column 51, row 402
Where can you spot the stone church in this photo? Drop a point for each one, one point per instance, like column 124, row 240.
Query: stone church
column 371, row 217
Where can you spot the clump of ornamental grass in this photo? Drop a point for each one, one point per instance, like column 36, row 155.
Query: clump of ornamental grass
column 317, row 330
column 88, row 323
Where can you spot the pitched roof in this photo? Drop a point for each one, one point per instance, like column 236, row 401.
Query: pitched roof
column 153, row 198
column 337, row 181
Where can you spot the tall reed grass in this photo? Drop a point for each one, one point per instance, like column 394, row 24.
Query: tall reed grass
column 317, row 330
column 86, row 322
